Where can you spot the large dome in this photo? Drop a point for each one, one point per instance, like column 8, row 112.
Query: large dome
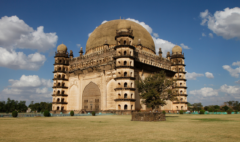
column 107, row 31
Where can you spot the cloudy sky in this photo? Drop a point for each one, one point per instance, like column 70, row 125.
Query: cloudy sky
column 208, row 32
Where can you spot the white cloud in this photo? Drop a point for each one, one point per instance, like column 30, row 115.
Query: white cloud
column 238, row 82
column 203, row 34
column 104, row 21
column 164, row 44
column 193, row 75
column 209, row 75
column 236, row 63
column 30, row 81
column 78, row 45
column 28, row 88
column 18, row 60
column 155, row 35
column 206, row 91
column 224, row 23
column 147, row 27
column 210, row 35
column 233, row 72
column 15, row 33
column 230, row 89
column 184, row 46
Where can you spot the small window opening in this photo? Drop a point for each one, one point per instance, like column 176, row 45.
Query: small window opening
column 57, row 108
column 125, row 96
column 125, row 63
column 125, row 52
column 125, row 107
column 125, row 84
column 125, row 42
column 131, row 96
column 58, row 100
column 58, row 92
column 125, row 74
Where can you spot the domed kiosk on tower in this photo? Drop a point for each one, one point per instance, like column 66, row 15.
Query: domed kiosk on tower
column 117, row 53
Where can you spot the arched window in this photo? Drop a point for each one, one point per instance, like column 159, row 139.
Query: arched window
column 131, row 96
column 59, row 68
column 62, row 108
column 57, row 108
column 59, row 76
column 180, row 84
column 125, row 63
column 60, row 61
column 125, row 74
column 63, row 84
column 62, row 100
column 62, row 92
column 58, row 100
column 125, row 52
column 58, row 92
column 125, row 42
column 58, row 84
column 125, row 107
column 125, row 96
column 131, row 84
column 181, row 92
column 125, row 84
column 181, row 99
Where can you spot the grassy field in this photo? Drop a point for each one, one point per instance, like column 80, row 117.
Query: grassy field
column 225, row 128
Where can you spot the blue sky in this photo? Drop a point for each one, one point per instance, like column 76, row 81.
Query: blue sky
column 208, row 32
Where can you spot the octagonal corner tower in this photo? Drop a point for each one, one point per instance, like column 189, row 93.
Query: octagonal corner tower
column 107, row 32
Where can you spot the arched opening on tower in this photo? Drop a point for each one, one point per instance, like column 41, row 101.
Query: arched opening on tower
column 119, row 107
column 125, row 96
column 125, row 52
column 58, row 108
column 58, row 92
column 62, row 100
column 58, row 100
column 125, row 63
column 125, row 42
column 125, row 74
column 125, row 107
column 125, row 84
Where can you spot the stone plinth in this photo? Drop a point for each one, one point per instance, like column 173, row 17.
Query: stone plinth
column 148, row 116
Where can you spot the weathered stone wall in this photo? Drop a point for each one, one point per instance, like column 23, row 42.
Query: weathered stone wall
column 146, row 116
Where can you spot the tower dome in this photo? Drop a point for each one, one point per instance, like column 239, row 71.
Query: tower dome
column 107, row 31
column 176, row 49
column 62, row 48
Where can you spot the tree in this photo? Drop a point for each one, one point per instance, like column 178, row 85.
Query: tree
column 197, row 106
column 225, row 108
column 155, row 90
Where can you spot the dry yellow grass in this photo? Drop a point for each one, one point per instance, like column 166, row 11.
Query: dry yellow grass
column 185, row 128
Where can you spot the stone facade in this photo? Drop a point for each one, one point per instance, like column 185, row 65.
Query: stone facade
column 104, row 78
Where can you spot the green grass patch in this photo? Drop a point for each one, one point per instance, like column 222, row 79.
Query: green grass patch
column 211, row 119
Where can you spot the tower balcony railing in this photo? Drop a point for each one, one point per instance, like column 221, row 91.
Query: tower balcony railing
column 59, row 86
column 59, row 102
column 125, row 99
column 63, row 71
column 63, row 95
column 125, row 77
column 61, row 64
column 124, row 88
column 124, row 56
column 179, row 86
column 60, row 78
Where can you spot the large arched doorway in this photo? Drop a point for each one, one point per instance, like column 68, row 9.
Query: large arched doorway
column 91, row 97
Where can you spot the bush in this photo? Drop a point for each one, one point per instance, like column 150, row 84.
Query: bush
column 93, row 113
column 163, row 112
column 181, row 111
column 229, row 111
column 46, row 113
column 210, row 110
column 14, row 114
column 236, row 111
column 72, row 113
column 202, row 111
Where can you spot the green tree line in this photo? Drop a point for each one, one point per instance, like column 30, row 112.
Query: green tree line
column 20, row 106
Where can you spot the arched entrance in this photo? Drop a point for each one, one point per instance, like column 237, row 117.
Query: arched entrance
column 91, row 97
